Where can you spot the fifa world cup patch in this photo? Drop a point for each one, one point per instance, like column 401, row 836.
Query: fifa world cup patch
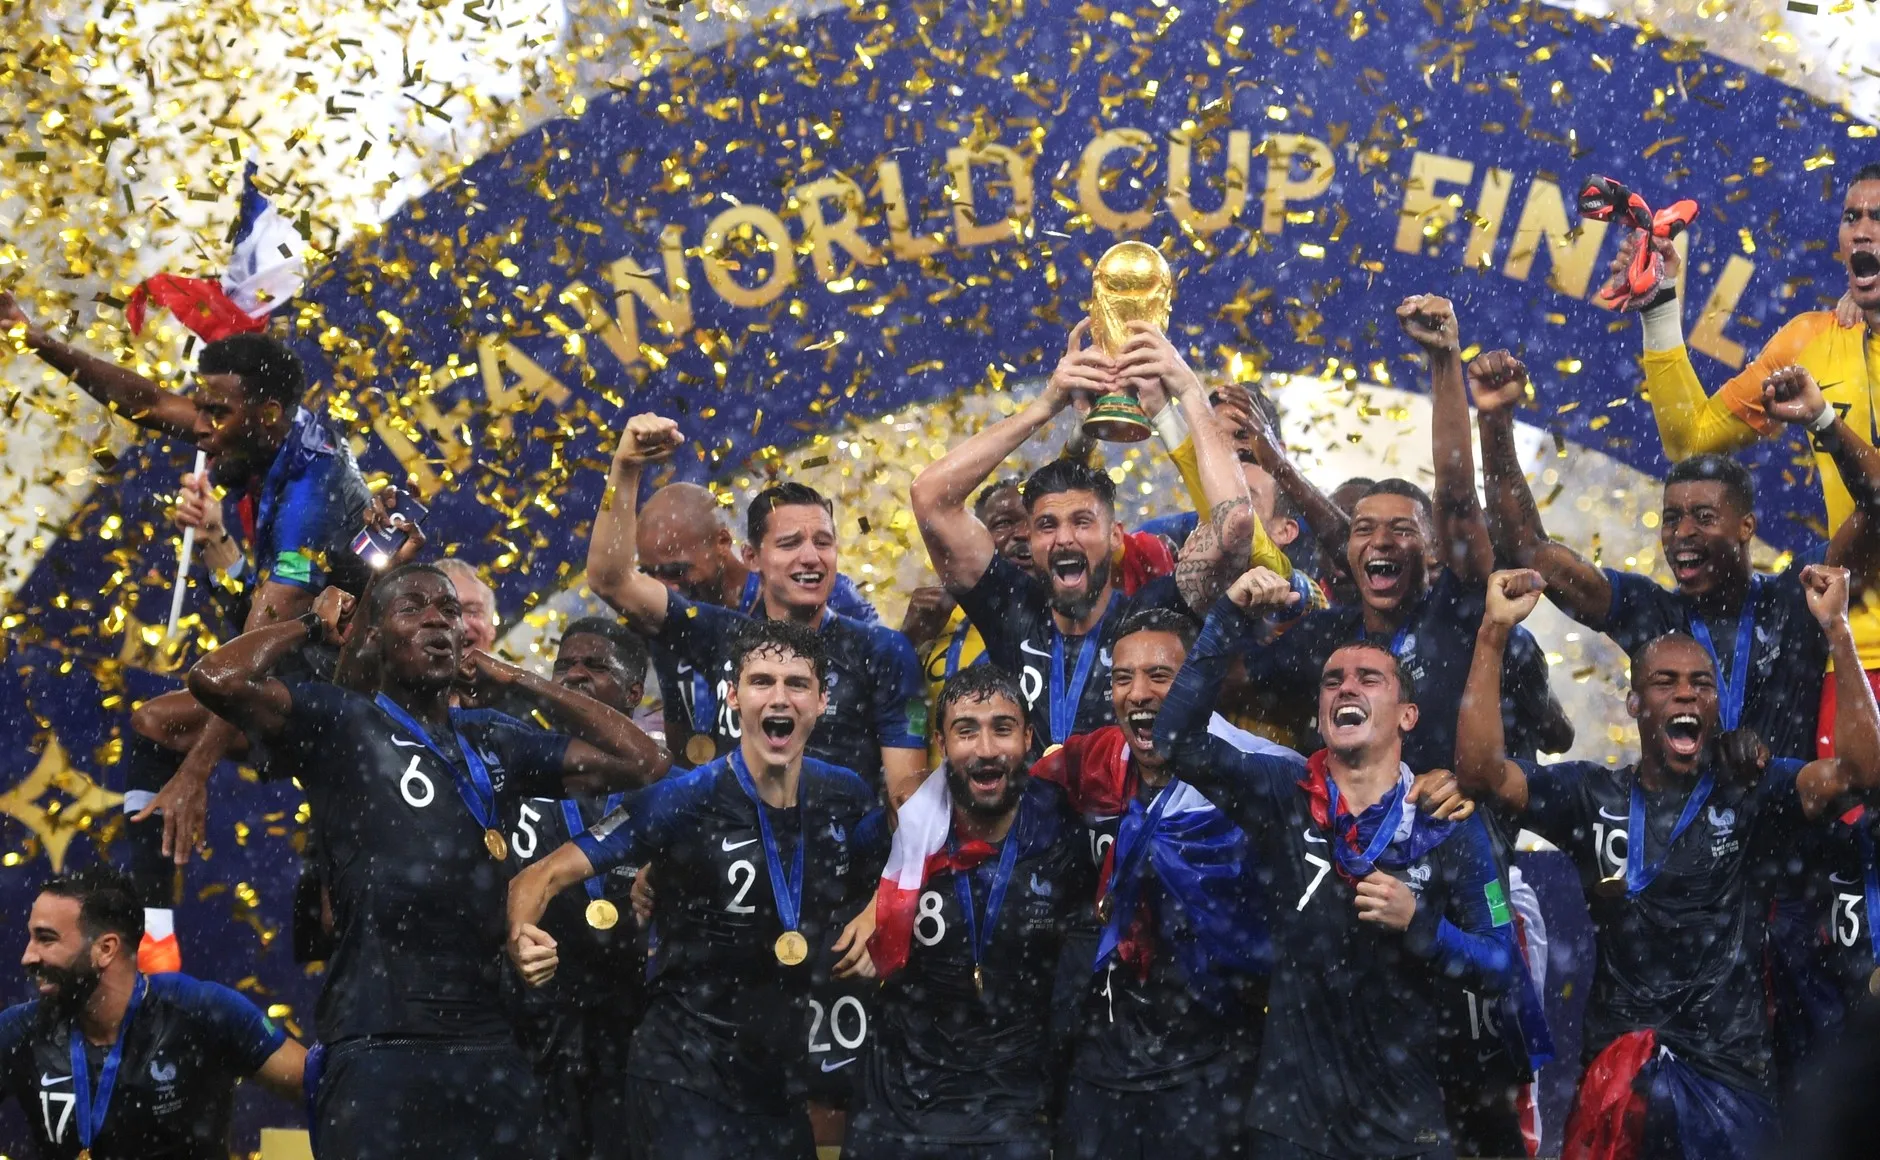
column 1497, row 903
column 917, row 717
column 294, row 566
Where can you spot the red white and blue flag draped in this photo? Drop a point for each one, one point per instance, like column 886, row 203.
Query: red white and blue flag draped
column 269, row 267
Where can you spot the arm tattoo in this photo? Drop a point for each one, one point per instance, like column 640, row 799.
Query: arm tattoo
column 1505, row 464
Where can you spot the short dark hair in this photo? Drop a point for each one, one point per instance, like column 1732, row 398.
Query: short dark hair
column 783, row 637
column 980, row 682
column 1063, row 475
column 1406, row 489
column 376, row 597
column 107, row 901
column 1406, row 684
column 1867, row 172
column 1177, row 624
column 757, row 518
column 1363, row 482
column 1010, row 483
column 629, row 647
column 1637, row 658
column 1734, row 477
column 269, row 371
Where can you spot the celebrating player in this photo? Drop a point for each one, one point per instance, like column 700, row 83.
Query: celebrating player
column 1373, row 904
column 111, row 1062
column 577, row 1028
column 1058, row 635
column 987, row 869
column 407, row 795
column 1677, row 1012
column 760, row 854
column 876, row 723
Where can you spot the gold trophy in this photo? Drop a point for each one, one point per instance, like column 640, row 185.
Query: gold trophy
column 1132, row 284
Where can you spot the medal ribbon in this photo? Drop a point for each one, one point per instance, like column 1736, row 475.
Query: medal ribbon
column 786, row 892
column 1354, row 864
column 1126, row 870
column 978, row 937
column 1640, row 873
column 704, row 706
column 275, row 482
column 957, row 647
column 1066, row 697
column 475, row 790
column 90, row 1111
column 1872, row 876
column 571, row 814
column 1735, row 687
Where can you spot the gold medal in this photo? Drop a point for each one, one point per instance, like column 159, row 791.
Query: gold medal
column 1613, row 887
column 979, row 979
column 84, row 1154
column 493, row 842
column 602, row 914
column 792, row 948
column 700, row 749
column 1873, row 982
column 1104, row 906
column 1049, row 750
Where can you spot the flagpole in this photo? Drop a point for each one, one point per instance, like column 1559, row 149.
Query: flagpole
column 182, row 563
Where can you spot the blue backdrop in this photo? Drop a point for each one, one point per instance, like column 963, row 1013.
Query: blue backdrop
column 897, row 204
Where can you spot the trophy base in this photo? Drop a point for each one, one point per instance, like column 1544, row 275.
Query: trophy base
column 1117, row 419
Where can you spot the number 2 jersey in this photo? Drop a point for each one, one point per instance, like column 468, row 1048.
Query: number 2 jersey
column 186, row 1046
column 724, row 1018
column 419, row 904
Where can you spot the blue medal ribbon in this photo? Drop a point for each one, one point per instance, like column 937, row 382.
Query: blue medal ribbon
column 1126, row 869
column 979, row 937
column 1639, row 871
column 571, row 814
column 1871, row 874
column 275, row 482
column 1733, row 688
column 752, row 589
column 787, row 892
column 90, row 1110
column 1360, row 865
column 704, row 707
column 956, row 648
column 1065, row 697
column 475, row 790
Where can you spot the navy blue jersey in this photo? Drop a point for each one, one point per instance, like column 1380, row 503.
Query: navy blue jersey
column 186, row 1046
column 723, row 1017
column 1435, row 648
column 418, row 903
column 1685, row 956
column 1352, row 1038
column 311, row 504
column 1012, row 612
column 950, row 1065
column 876, row 697
column 1788, row 651
column 598, row 968
column 845, row 597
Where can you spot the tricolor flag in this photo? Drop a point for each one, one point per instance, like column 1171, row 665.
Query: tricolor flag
column 922, row 825
column 269, row 267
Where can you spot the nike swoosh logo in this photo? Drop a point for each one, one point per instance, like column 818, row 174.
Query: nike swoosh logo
column 837, row 1065
column 49, row 1080
column 1025, row 647
column 407, row 744
column 728, row 845
column 1840, row 881
column 1611, row 817
column 1312, row 837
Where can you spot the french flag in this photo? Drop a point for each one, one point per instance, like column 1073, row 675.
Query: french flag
column 922, row 825
column 269, row 267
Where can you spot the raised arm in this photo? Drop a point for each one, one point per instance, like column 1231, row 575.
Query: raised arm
column 613, row 572
column 1855, row 766
column 1430, row 320
column 1330, row 524
column 1482, row 766
column 120, row 388
column 1791, row 395
column 608, row 751
column 957, row 543
column 1498, row 380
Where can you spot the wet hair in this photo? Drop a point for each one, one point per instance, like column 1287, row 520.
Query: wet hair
column 757, row 519
column 1867, row 172
column 629, row 647
column 1642, row 654
column 1408, row 490
column 108, row 902
column 980, row 682
column 270, row 373
column 379, row 594
column 782, row 638
column 1066, row 475
column 1406, row 684
column 991, row 491
column 1177, row 624
column 1735, row 478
